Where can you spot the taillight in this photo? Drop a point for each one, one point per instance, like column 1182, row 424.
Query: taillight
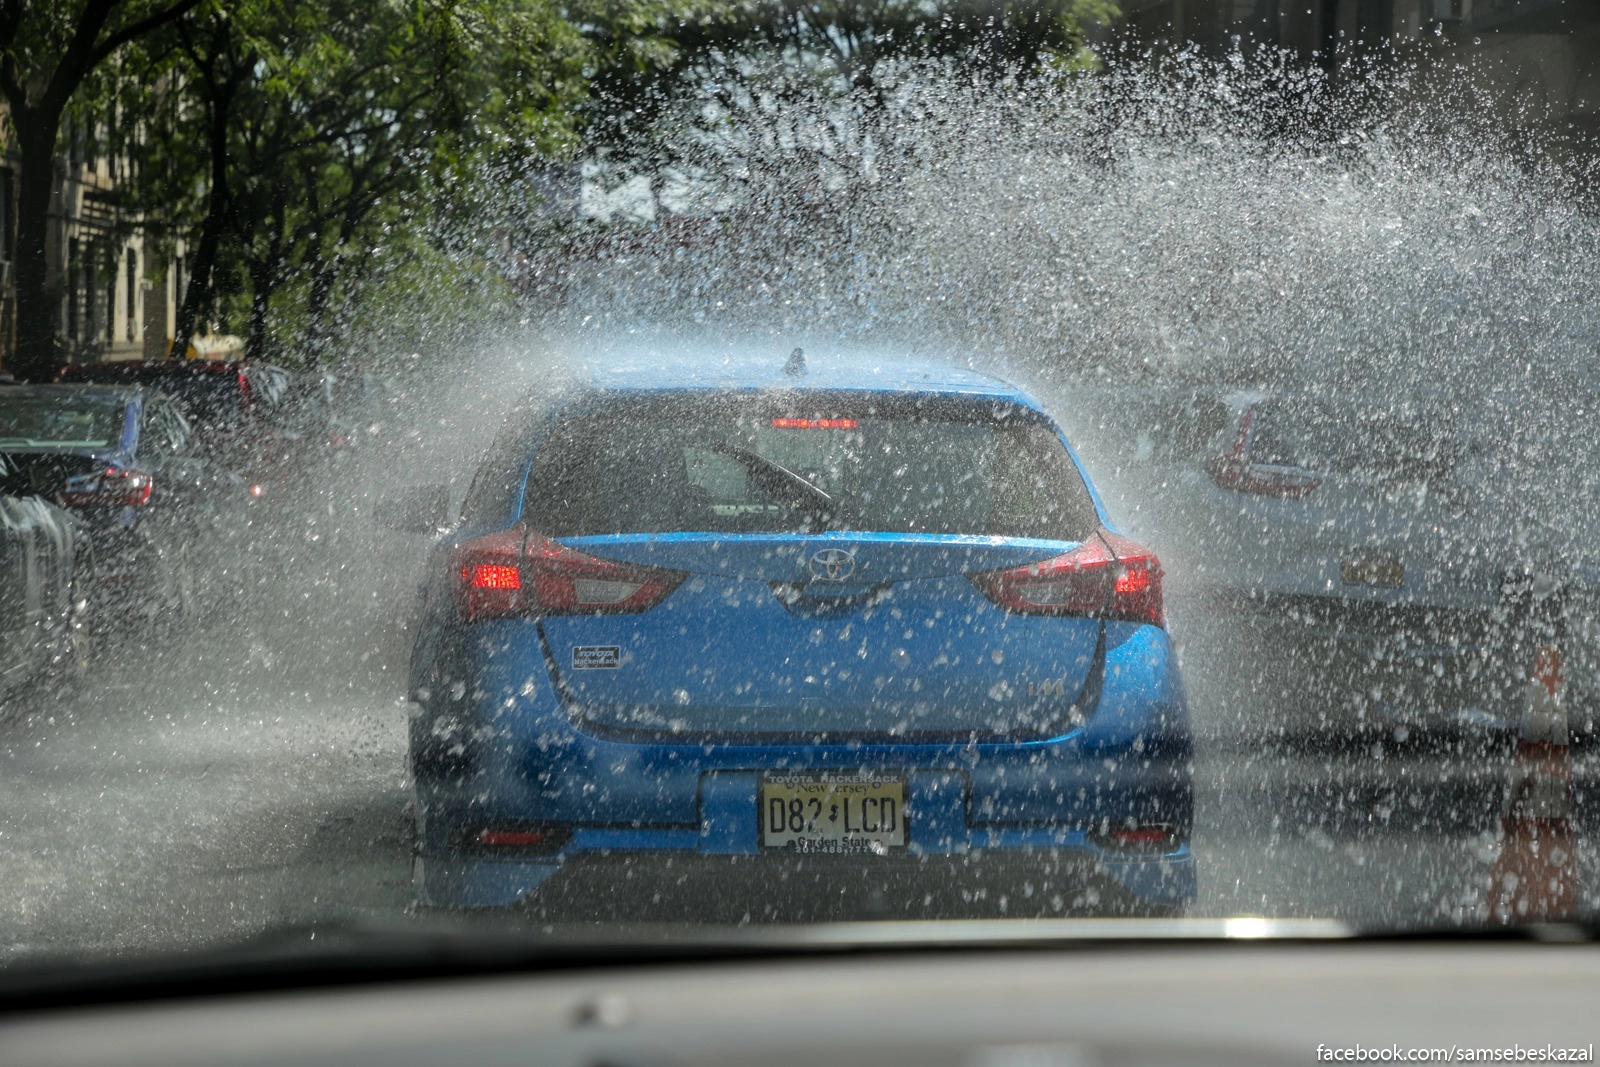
column 1263, row 480
column 519, row 838
column 1147, row 838
column 489, row 576
column 114, row 487
column 1235, row 471
column 1107, row 577
column 524, row 573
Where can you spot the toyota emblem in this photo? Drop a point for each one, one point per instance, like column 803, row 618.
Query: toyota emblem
column 832, row 565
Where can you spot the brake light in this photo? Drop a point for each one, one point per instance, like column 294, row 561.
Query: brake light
column 1262, row 480
column 1107, row 577
column 814, row 424
column 1143, row 837
column 517, row 572
column 519, row 838
column 494, row 576
column 114, row 487
column 1235, row 471
column 489, row 577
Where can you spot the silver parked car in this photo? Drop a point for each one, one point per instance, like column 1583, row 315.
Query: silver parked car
column 1352, row 543
column 46, row 574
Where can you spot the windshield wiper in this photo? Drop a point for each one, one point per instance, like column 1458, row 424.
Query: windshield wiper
column 779, row 480
column 39, row 442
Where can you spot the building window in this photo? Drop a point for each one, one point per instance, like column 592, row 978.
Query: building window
column 133, row 293
column 70, row 273
column 108, row 257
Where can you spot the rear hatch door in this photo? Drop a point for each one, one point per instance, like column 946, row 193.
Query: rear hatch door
column 823, row 547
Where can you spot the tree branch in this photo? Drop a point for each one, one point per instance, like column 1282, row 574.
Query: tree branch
column 74, row 64
column 140, row 28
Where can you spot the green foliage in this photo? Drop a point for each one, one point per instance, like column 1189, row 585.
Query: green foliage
column 47, row 49
column 846, row 46
column 338, row 115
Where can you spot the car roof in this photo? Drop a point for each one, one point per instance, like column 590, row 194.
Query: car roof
column 121, row 393
column 823, row 372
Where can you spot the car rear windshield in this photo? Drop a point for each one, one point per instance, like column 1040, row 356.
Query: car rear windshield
column 758, row 463
column 1395, row 443
column 60, row 422
column 208, row 397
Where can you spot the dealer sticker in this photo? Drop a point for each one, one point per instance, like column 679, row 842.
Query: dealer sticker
column 596, row 657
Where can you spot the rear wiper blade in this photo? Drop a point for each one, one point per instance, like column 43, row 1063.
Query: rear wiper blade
column 779, row 480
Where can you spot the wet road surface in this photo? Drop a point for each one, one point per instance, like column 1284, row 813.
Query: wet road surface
column 252, row 777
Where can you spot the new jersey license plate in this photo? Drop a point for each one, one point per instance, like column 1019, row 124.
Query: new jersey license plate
column 844, row 813
column 1372, row 570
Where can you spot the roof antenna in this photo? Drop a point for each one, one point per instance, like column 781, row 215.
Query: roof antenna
column 796, row 365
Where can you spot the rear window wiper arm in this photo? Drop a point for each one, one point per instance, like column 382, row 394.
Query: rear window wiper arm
column 779, row 480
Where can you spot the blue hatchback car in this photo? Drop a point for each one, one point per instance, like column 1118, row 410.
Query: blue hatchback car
column 770, row 642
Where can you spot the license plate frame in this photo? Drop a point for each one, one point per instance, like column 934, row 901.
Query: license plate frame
column 850, row 813
column 1384, row 572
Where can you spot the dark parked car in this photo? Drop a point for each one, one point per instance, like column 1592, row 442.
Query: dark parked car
column 46, row 573
column 124, row 460
column 239, row 410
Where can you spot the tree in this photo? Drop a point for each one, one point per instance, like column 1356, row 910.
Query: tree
column 850, row 45
column 337, row 133
column 47, row 50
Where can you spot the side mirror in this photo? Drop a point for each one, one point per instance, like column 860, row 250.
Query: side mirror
column 414, row 509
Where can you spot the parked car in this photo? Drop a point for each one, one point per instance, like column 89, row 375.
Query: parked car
column 854, row 628
column 238, row 410
column 340, row 411
column 159, row 512
column 46, row 587
column 1350, row 541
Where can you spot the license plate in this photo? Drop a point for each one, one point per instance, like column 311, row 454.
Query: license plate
column 1372, row 571
column 829, row 812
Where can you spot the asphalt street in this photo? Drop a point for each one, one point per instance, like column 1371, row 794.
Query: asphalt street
column 252, row 777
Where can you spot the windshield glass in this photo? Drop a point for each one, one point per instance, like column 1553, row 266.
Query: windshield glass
column 60, row 422
column 754, row 464
column 1392, row 442
column 214, row 399
column 735, row 465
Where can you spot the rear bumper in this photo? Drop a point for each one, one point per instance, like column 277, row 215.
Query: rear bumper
column 1447, row 665
column 504, row 751
column 129, row 568
column 1440, row 652
column 986, row 825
